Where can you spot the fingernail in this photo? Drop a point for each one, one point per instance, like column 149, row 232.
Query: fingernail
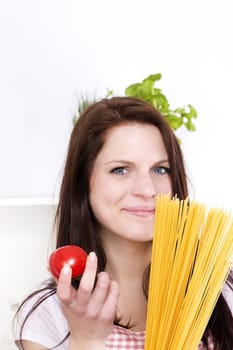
column 66, row 269
column 92, row 257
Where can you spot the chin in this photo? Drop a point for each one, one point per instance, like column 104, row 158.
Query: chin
column 141, row 237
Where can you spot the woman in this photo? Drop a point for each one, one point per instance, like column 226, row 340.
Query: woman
column 122, row 154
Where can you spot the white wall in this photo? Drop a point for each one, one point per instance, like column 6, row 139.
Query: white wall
column 53, row 50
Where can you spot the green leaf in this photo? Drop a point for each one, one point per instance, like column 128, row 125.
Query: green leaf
column 133, row 90
column 148, row 85
column 155, row 77
column 174, row 121
column 193, row 111
column 110, row 93
column 190, row 126
column 162, row 102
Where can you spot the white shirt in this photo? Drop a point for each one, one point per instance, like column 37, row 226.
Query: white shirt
column 47, row 326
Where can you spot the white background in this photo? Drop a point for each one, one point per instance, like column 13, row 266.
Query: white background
column 54, row 50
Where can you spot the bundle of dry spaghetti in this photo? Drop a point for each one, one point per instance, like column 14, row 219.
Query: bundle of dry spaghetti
column 192, row 255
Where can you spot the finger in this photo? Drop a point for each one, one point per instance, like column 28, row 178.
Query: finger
column 99, row 294
column 87, row 281
column 65, row 291
column 110, row 305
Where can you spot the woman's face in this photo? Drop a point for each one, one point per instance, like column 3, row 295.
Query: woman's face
column 131, row 169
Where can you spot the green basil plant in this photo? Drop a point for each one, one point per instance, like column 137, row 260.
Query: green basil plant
column 146, row 90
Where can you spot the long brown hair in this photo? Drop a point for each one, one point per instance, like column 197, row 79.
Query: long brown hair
column 75, row 221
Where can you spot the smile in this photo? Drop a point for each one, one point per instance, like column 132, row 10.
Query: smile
column 140, row 211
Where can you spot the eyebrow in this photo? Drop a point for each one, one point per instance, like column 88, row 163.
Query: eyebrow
column 129, row 162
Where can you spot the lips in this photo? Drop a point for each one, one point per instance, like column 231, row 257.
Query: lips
column 140, row 211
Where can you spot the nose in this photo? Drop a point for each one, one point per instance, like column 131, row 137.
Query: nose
column 144, row 186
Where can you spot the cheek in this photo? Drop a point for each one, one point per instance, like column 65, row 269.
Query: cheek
column 104, row 188
column 101, row 194
column 168, row 187
column 164, row 185
column 102, row 205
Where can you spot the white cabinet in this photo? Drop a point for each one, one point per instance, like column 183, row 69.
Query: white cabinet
column 26, row 239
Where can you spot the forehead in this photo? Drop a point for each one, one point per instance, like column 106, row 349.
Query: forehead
column 131, row 138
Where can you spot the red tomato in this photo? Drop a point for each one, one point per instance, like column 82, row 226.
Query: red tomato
column 70, row 254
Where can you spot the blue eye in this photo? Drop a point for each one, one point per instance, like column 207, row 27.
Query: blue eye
column 119, row 171
column 161, row 170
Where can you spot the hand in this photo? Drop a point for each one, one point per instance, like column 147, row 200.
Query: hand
column 90, row 311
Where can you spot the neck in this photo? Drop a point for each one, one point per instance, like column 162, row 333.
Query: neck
column 126, row 260
column 126, row 264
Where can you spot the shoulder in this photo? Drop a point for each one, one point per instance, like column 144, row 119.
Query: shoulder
column 41, row 312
